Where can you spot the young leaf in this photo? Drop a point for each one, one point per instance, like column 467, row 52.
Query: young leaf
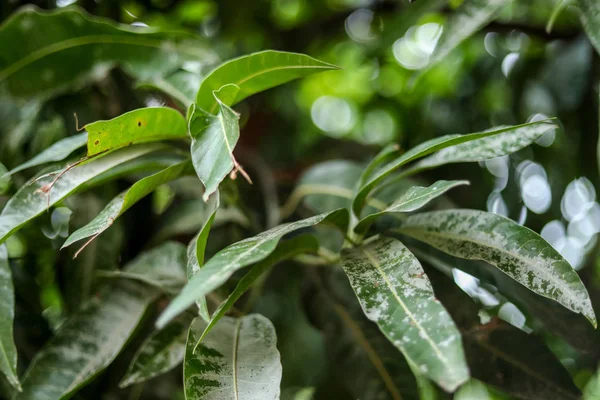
column 8, row 350
column 36, row 197
column 57, row 152
column 126, row 200
column 413, row 199
column 520, row 135
column 464, row 22
column 237, row 360
column 590, row 9
column 59, row 49
column 592, row 388
column 386, row 155
column 238, row 255
column 160, row 353
column 138, row 126
column 286, row 249
column 87, row 342
column 213, row 141
column 516, row 250
column 162, row 267
column 255, row 73
column 395, row 293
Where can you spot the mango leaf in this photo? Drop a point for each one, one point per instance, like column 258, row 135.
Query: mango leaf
column 395, row 293
column 237, row 360
column 592, row 388
column 286, row 249
column 36, row 197
column 254, row 73
column 57, row 152
column 512, row 138
column 413, row 199
column 197, row 248
column 529, row 369
column 87, row 342
column 138, row 126
column 468, row 19
column 8, row 350
column 160, row 353
column 213, row 141
column 126, row 200
column 516, row 250
column 238, row 255
column 477, row 390
column 162, row 267
column 387, row 154
column 485, row 148
column 61, row 48
column 181, row 85
column 590, row 10
column 365, row 363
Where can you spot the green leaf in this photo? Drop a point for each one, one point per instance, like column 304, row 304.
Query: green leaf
column 87, row 342
column 213, row 139
column 467, row 20
column 162, row 267
column 476, row 390
column 255, row 73
column 592, row 388
column 534, row 371
column 364, row 361
column 238, row 255
column 386, row 155
column 197, row 248
column 395, row 293
column 486, row 147
column 36, row 197
column 8, row 350
column 126, row 200
column 62, row 48
column 590, row 12
column 516, row 250
column 57, row 152
column 411, row 200
column 510, row 138
column 160, row 353
column 237, row 360
column 138, row 126
column 182, row 86
column 286, row 249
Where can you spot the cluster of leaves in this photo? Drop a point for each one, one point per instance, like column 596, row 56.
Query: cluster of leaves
column 363, row 223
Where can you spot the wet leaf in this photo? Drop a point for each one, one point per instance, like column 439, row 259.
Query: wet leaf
column 516, row 250
column 237, row 360
column 395, row 293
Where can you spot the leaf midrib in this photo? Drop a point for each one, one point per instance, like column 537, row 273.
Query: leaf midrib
column 426, row 336
column 234, row 362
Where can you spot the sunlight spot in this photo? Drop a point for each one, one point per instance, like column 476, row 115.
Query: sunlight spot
column 358, row 25
column 413, row 50
column 332, row 115
column 509, row 63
